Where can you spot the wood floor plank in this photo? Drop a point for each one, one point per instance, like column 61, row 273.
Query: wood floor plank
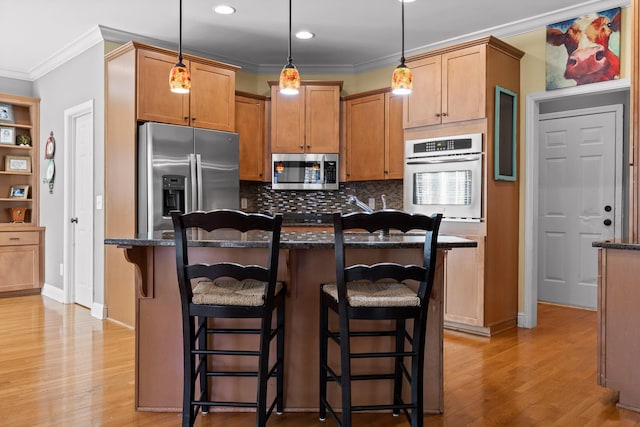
column 61, row 367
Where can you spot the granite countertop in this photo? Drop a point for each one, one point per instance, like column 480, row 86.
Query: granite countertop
column 292, row 240
column 617, row 244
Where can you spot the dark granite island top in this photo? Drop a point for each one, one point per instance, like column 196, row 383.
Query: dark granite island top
column 617, row 244
column 293, row 240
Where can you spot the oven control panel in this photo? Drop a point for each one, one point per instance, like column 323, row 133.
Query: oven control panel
column 460, row 144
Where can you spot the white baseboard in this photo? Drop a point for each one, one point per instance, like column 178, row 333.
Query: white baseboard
column 53, row 292
column 99, row 311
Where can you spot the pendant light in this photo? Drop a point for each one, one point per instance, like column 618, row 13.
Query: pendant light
column 289, row 76
column 402, row 79
column 179, row 77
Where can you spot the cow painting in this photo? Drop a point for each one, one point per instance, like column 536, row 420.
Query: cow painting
column 584, row 50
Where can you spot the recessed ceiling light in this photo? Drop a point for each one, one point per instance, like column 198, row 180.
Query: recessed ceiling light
column 304, row 35
column 224, row 10
column 406, row 1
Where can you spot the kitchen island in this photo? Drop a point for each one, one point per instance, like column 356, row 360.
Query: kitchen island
column 618, row 320
column 306, row 261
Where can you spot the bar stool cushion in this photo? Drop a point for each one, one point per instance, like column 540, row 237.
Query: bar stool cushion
column 232, row 292
column 383, row 293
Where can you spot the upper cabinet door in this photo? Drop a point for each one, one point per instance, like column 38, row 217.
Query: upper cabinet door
column 464, row 84
column 365, row 138
column 250, row 126
column 322, row 125
column 212, row 97
column 156, row 103
column 287, row 121
column 394, row 137
column 424, row 105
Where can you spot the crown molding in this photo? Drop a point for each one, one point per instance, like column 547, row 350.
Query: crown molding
column 101, row 33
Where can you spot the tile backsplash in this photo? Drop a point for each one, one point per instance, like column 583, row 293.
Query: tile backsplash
column 262, row 198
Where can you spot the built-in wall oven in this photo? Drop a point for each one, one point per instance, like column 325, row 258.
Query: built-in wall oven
column 444, row 175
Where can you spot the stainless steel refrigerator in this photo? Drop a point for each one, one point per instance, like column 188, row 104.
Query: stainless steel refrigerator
column 184, row 168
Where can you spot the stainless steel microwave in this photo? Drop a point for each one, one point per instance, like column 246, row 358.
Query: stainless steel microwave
column 304, row 171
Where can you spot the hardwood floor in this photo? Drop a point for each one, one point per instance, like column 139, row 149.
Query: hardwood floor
column 61, row 367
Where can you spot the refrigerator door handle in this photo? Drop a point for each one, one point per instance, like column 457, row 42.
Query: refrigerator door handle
column 194, row 183
column 200, row 182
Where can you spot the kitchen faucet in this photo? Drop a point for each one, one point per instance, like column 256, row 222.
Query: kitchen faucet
column 353, row 200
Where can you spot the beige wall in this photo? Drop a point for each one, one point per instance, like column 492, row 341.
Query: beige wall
column 351, row 83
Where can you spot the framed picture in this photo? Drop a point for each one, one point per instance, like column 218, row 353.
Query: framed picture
column 19, row 191
column 504, row 168
column 7, row 135
column 17, row 164
column 584, row 50
column 6, row 113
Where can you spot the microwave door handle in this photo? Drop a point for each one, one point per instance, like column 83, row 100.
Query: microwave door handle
column 437, row 161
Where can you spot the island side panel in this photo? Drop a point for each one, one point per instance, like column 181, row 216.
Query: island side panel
column 619, row 318
column 159, row 340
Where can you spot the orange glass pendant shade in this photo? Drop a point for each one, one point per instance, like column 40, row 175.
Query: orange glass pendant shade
column 180, row 78
column 402, row 80
column 289, row 80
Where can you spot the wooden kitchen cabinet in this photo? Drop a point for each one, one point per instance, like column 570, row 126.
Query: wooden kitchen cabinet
column 464, row 295
column 21, row 243
column 308, row 122
column 250, row 125
column 374, row 136
column 618, row 318
column 209, row 104
column 137, row 89
column 455, row 83
column 481, row 283
column 21, row 259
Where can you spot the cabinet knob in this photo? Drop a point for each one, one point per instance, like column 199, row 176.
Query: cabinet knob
column 308, row 146
column 186, row 118
column 193, row 119
column 444, row 114
column 302, row 146
column 437, row 114
column 386, row 172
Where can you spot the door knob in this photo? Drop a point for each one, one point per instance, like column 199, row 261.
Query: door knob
column 74, row 220
column 607, row 222
column 607, row 208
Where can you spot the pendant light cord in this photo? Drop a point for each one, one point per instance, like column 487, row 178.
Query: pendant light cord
column 180, row 36
column 402, row 57
column 290, row 59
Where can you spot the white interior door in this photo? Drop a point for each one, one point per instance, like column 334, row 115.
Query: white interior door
column 79, row 204
column 578, row 201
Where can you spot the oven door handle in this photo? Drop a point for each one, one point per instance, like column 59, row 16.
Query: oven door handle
column 434, row 161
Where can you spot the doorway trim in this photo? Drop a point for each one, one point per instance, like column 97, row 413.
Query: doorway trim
column 529, row 318
column 70, row 116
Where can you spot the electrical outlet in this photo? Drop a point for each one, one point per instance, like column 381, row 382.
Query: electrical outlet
column 243, row 203
column 98, row 203
column 62, row 269
column 372, row 203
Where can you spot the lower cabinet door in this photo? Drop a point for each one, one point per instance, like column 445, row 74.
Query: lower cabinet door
column 20, row 267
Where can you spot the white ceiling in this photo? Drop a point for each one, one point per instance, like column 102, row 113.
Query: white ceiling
column 351, row 35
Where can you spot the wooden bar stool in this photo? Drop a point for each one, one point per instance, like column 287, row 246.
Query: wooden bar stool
column 378, row 292
column 228, row 290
